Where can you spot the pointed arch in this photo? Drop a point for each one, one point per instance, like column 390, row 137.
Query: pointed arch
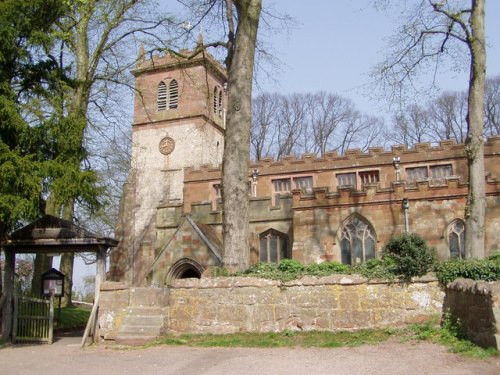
column 455, row 235
column 173, row 94
column 161, row 97
column 185, row 268
column 216, row 99
column 273, row 246
column 357, row 239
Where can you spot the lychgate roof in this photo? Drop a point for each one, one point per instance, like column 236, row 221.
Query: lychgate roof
column 52, row 234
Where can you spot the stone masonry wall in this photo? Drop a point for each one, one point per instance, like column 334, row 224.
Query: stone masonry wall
column 228, row 305
column 476, row 304
column 338, row 302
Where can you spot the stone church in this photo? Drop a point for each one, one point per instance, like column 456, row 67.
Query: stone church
column 332, row 208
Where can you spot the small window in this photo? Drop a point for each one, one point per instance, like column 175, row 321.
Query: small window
column 220, row 103
column 440, row 172
column 173, row 94
column 456, row 239
column 369, row 177
column 216, row 98
column 218, row 190
column 417, row 173
column 162, row 96
column 357, row 241
column 303, row 183
column 346, row 180
column 273, row 246
column 217, row 105
column 281, row 186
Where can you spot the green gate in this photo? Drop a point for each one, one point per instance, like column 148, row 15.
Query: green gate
column 33, row 320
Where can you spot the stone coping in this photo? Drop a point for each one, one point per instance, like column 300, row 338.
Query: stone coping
column 241, row 281
column 475, row 286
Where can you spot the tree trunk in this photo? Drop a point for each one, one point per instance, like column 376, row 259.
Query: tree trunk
column 237, row 137
column 474, row 145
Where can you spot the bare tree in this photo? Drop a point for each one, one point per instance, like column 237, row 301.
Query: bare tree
column 328, row 113
column 265, row 109
column 411, row 126
column 291, row 124
column 240, row 61
column 492, row 107
column 94, row 43
column 433, row 31
column 447, row 117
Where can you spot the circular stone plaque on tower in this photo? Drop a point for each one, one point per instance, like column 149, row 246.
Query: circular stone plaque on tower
column 166, row 145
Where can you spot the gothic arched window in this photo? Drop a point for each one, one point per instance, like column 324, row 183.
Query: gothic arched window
column 173, row 94
column 217, row 101
column 456, row 239
column 161, row 100
column 357, row 240
column 273, row 246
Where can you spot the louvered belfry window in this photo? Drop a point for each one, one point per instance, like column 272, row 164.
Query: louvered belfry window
column 173, row 94
column 162, row 96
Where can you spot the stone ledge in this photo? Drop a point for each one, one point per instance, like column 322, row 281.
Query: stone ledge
column 113, row 285
column 475, row 287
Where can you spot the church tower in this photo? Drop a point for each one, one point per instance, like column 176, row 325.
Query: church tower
column 179, row 116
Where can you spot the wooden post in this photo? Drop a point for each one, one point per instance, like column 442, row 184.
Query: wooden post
column 8, row 285
column 51, row 319
column 99, row 279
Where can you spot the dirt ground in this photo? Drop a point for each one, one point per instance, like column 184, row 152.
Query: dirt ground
column 392, row 357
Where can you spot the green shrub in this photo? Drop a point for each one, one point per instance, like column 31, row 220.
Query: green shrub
column 261, row 268
column 475, row 269
column 495, row 257
column 290, row 266
column 326, row 268
column 376, row 269
column 410, row 254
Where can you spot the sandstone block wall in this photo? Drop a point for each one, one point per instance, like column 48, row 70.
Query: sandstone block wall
column 338, row 302
column 476, row 304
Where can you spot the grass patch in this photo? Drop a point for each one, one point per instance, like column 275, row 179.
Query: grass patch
column 72, row 318
column 449, row 335
column 286, row 338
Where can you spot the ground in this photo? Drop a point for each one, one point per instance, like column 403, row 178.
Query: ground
column 392, row 357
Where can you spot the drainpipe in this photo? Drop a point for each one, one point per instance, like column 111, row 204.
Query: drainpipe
column 406, row 207
column 255, row 174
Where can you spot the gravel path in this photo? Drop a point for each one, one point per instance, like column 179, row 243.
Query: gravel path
column 65, row 357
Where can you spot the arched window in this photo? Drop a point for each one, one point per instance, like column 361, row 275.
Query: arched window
column 273, row 246
column 173, row 94
column 161, row 100
column 220, row 103
column 216, row 101
column 456, row 239
column 357, row 240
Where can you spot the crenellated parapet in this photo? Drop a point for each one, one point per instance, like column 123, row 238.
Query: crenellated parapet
column 183, row 59
column 452, row 187
column 354, row 158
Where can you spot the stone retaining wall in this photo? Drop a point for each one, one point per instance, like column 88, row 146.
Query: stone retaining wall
column 228, row 305
column 338, row 302
column 476, row 304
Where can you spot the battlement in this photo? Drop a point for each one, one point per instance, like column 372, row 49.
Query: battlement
column 375, row 156
column 183, row 59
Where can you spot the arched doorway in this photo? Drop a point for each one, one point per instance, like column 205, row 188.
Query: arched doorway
column 185, row 268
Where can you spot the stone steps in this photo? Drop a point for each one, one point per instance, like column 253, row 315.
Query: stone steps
column 140, row 326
